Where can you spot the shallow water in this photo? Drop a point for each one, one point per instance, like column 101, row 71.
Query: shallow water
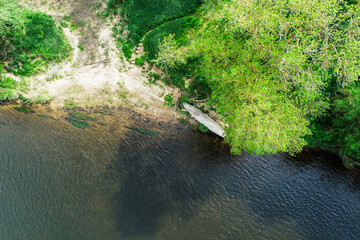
column 111, row 182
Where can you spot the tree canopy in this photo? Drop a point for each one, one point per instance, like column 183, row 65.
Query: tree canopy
column 269, row 64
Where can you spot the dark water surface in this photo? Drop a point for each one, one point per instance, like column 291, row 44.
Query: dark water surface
column 111, row 182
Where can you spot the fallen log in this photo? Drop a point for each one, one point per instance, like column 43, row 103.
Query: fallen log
column 204, row 119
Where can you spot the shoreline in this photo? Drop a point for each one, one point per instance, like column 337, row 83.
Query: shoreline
column 111, row 82
column 61, row 112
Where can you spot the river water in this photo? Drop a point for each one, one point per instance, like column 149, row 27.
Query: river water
column 115, row 182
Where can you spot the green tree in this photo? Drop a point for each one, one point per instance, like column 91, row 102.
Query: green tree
column 269, row 63
column 169, row 56
column 346, row 124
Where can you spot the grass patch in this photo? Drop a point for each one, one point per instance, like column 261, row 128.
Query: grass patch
column 70, row 104
column 7, row 85
column 153, row 77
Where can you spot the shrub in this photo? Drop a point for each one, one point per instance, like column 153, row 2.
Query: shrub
column 127, row 49
column 29, row 39
column 140, row 61
column 144, row 15
column 203, row 128
column 169, row 100
column 178, row 28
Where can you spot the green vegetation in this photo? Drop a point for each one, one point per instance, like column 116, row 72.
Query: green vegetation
column 28, row 39
column 280, row 74
column 183, row 121
column 169, row 100
column 24, row 110
column 141, row 16
column 269, row 73
column 79, row 119
column 77, row 123
column 176, row 28
column 203, row 128
column 82, row 116
column 70, row 104
column 7, row 85
column 144, row 15
column 153, row 77
column 103, row 112
column 143, row 131
column 140, row 61
column 127, row 49
column 82, row 48
column 45, row 116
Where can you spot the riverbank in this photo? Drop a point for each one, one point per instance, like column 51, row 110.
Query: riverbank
column 96, row 74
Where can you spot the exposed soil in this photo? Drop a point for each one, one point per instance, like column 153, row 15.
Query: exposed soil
column 96, row 73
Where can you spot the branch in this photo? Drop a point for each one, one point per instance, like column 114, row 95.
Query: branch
column 312, row 51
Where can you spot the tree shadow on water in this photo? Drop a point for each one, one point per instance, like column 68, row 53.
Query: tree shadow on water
column 158, row 176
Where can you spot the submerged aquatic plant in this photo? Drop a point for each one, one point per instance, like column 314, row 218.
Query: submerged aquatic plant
column 143, row 131
column 24, row 110
column 77, row 123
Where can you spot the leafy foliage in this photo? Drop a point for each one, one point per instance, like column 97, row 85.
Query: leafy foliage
column 28, row 39
column 7, row 85
column 177, row 28
column 168, row 56
column 144, row 15
column 269, row 67
column 169, row 100
column 140, row 61
column 269, row 63
column 346, row 124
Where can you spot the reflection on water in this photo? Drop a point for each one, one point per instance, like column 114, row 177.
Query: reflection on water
column 159, row 176
column 109, row 182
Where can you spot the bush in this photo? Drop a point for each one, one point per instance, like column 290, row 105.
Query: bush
column 178, row 28
column 153, row 77
column 203, row 128
column 169, row 100
column 29, row 39
column 199, row 88
column 140, row 61
column 7, row 85
column 144, row 15
column 127, row 49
